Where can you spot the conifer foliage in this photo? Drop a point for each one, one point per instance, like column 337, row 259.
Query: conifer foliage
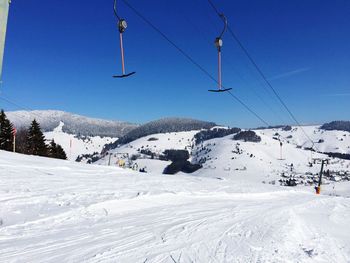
column 36, row 140
column 31, row 141
column 21, row 140
column 56, row 151
column 6, row 136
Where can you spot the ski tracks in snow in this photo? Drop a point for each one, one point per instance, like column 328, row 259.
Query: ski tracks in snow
column 54, row 211
column 267, row 227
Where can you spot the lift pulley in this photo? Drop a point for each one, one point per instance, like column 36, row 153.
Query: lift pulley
column 218, row 43
column 122, row 25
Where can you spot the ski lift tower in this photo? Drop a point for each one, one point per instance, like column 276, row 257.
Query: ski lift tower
column 281, row 145
column 321, row 161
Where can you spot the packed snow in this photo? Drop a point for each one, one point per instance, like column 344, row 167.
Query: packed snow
column 61, row 211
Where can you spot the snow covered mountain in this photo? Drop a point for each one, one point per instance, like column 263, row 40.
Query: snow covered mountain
column 73, row 123
column 329, row 141
column 78, row 135
column 155, row 143
column 265, row 160
column 77, row 145
column 60, row 211
column 260, row 158
column 165, row 125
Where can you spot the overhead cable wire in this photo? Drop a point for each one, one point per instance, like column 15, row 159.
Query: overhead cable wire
column 235, row 37
column 233, row 69
column 147, row 21
column 19, row 106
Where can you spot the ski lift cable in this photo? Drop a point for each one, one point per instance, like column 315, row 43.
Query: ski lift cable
column 241, row 46
column 115, row 10
column 248, row 108
column 19, row 106
column 253, row 89
column 261, row 73
column 191, row 59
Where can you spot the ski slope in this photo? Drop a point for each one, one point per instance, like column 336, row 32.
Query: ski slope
column 259, row 161
column 74, row 145
column 157, row 143
column 228, row 158
column 61, row 211
column 323, row 140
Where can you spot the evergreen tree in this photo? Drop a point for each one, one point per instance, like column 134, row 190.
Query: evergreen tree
column 6, row 136
column 21, row 141
column 56, row 151
column 52, row 149
column 60, row 153
column 36, row 140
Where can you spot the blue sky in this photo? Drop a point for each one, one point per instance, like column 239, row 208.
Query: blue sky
column 62, row 55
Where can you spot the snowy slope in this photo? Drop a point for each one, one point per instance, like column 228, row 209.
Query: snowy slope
column 324, row 141
column 232, row 158
column 74, row 145
column 260, row 161
column 157, row 143
column 60, row 211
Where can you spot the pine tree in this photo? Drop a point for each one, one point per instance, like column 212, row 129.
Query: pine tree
column 56, row 151
column 36, row 140
column 60, row 153
column 6, row 136
column 52, row 149
column 21, row 140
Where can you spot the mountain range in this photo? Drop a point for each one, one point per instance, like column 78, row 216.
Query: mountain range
column 73, row 123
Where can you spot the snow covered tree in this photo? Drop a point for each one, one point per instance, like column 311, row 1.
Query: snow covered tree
column 56, row 151
column 6, row 136
column 36, row 140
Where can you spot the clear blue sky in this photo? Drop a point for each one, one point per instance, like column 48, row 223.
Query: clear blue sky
column 62, row 55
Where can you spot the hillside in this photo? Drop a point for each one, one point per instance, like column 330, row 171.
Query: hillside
column 75, row 145
column 73, row 123
column 336, row 125
column 166, row 125
column 58, row 211
column 323, row 140
column 262, row 162
column 156, row 144
column 235, row 158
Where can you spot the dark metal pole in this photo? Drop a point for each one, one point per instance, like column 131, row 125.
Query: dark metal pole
column 320, row 179
column 109, row 160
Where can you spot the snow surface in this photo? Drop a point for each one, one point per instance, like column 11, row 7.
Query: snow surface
column 229, row 158
column 60, row 211
column 332, row 141
column 74, row 145
column 156, row 143
column 261, row 161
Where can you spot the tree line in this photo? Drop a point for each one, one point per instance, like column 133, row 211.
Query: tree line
column 28, row 141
